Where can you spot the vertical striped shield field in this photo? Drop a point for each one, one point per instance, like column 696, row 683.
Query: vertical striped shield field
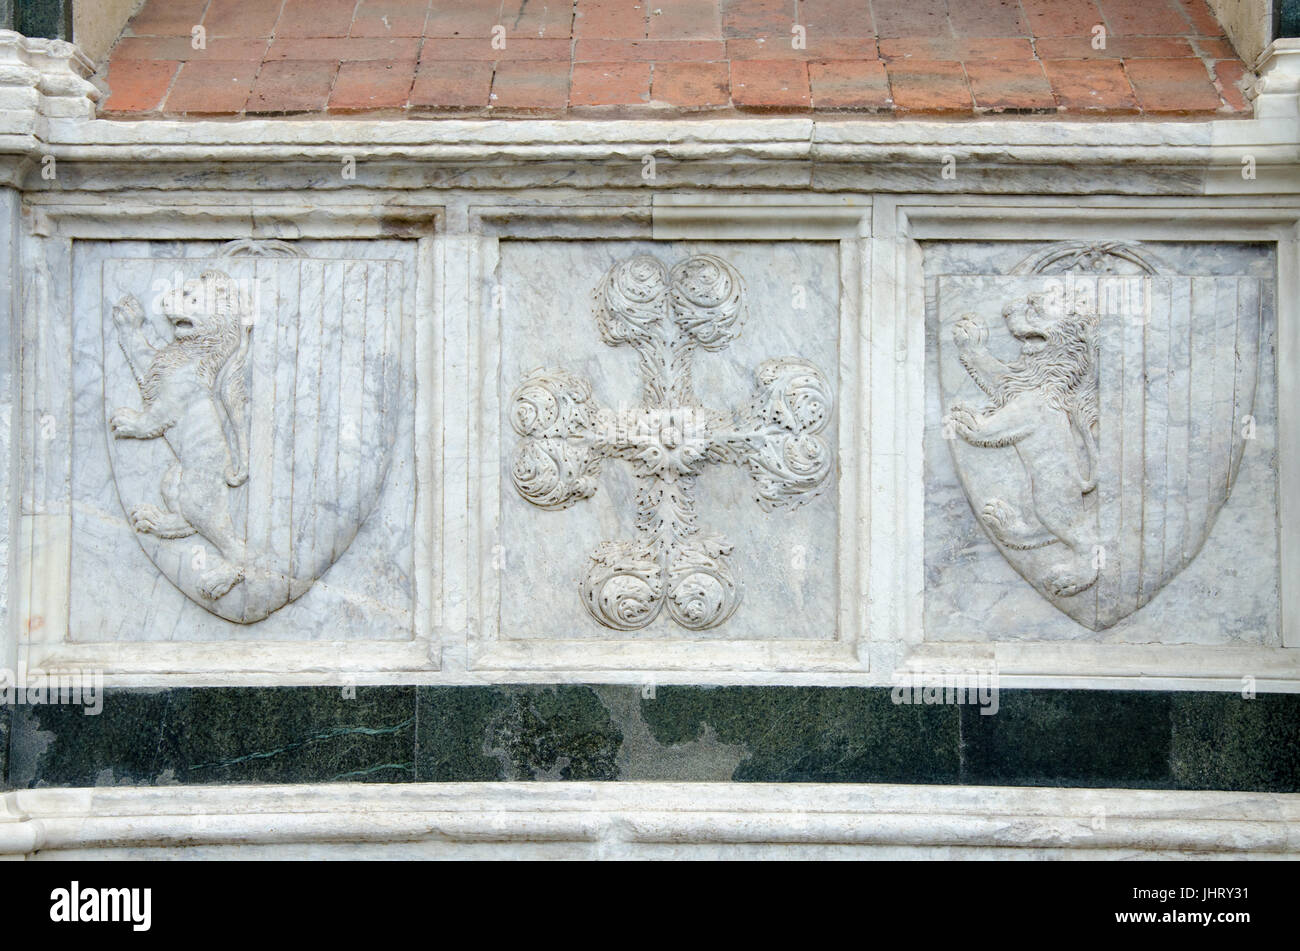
column 322, row 376
column 1178, row 362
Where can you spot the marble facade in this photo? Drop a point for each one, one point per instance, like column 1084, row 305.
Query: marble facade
column 477, row 403
column 727, row 485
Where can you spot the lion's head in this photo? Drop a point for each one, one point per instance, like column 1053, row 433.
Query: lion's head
column 209, row 315
column 211, row 305
column 1058, row 353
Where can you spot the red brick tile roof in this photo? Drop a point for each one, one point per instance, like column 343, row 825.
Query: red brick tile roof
column 650, row 58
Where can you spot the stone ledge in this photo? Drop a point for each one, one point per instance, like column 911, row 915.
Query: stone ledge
column 1277, row 90
column 646, row 820
column 1005, row 156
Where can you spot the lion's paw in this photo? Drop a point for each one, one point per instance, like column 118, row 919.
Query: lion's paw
column 961, row 420
column 146, row 518
column 999, row 514
column 124, row 423
column 128, row 314
column 1064, row 581
column 969, row 331
column 216, row 582
column 151, row 520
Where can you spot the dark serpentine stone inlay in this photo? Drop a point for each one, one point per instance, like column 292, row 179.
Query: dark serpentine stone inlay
column 220, row 735
column 814, row 735
column 682, row 733
column 1069, row 738
column 1223, row 742
column 6, row 712
column 51, row 19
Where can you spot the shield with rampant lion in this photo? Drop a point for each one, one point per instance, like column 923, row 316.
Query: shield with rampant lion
column 250, row 404
column 1097, row 410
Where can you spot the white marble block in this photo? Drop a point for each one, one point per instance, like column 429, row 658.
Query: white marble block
column 689, row 518
column 242, row 453
column 667, row 428
column 1103, row 425
column 510, row 411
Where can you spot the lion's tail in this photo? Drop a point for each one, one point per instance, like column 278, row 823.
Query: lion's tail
column 1090, row 447
column 1084, row 425
column 233, row 399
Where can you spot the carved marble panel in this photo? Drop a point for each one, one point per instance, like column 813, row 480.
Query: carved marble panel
column 1102, row 421
column 242, row 455
column 668, row 440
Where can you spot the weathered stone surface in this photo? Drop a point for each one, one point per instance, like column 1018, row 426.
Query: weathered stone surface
column 458, row 607
column 1112, row 422
column 671, row 439
column 501, row 232
column 688, row 379
column 667, row 821
column 250, row 450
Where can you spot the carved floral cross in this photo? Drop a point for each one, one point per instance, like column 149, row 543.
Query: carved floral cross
column 669, row 439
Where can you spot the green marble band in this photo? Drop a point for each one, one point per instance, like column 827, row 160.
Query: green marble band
column 48, row 19
column 1287, row 13
column 1160, row 740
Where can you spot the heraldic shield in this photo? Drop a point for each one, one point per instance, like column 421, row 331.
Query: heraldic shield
column 250, row 406
column 1097, row 412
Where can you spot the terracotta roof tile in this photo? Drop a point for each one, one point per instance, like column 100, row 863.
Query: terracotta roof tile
column 1085, row 58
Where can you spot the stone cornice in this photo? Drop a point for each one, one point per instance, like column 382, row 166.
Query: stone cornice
column 1277, row 90
column 992, row 156
column 634, row 820
column 40, row 80
column 47, row 106
column 43, row 78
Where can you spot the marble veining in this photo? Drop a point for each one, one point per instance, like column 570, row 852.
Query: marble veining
column 1102, row 405
column 244, row 468
column 669, row 437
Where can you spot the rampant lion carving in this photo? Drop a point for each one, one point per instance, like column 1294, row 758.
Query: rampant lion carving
column 1045, row 405
column 194, row 397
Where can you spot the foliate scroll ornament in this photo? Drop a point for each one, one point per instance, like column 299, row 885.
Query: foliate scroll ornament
column 670, row 439
column 792, row 461
column 701, row 590
column 623, row 587
column 559, row 463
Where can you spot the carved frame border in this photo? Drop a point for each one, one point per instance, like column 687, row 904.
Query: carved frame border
column 845, row 220
column 899, row 285
column 54, row 222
